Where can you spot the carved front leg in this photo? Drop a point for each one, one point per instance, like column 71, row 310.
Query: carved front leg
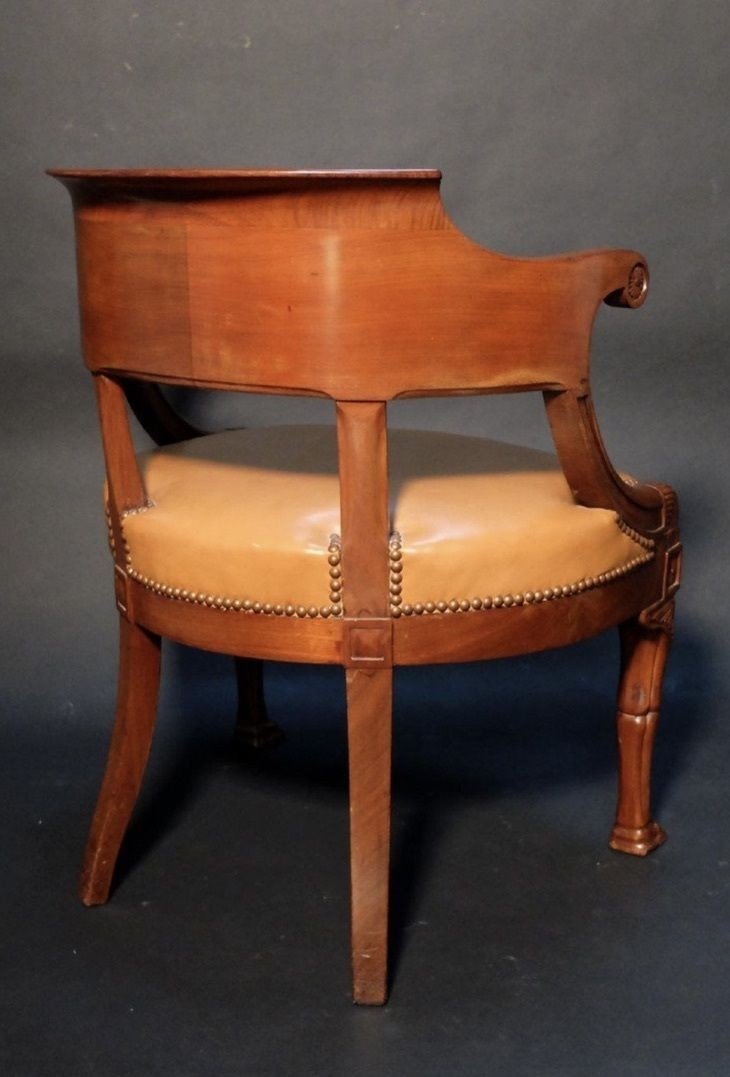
column 644, row 646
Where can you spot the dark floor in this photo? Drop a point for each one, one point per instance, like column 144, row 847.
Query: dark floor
column 521, row 944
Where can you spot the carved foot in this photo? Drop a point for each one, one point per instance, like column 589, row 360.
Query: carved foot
column 644, row 645
column 639, row 841
column 254, row 728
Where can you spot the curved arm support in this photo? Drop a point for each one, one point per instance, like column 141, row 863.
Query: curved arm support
column 588, row 469
column 125, row 488
column 155, row 413
column 125, row 485
column 620, row 278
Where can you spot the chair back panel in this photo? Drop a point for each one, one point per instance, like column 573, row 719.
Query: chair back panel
column 353, row 286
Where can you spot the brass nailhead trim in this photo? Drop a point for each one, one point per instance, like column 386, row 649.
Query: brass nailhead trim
column 140, row 509
column 109, row 530
column 400, row 609
column 395, row 565
column 238, row 605
column 395, row 573
column 334, row 557
column 641, row 540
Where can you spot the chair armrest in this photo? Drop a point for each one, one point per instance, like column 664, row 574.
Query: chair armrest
column 620, row 278
column 155, row 413
column 593, row 479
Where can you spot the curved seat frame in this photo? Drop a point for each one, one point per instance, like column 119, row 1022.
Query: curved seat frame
column 355, row 286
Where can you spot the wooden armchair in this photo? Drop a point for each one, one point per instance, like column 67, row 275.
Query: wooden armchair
column 285, row 543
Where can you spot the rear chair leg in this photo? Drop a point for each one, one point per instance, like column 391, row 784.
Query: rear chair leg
column 644, row 647
column 369, row 706
column 137, row 689
column 254, row 729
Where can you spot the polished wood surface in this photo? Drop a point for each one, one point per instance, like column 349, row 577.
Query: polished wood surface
column 139, row 679
column 644, row 647
column 355, row 287
column 367, row 652
column 369, row 706
column 156, row 415
column 358, row 287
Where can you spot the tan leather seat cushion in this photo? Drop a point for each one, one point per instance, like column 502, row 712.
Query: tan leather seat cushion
column 247, row 515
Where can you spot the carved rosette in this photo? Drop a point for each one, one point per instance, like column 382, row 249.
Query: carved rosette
column 634, row 290
column 636, row 286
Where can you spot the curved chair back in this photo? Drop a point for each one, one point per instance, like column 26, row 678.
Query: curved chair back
column 355, row 286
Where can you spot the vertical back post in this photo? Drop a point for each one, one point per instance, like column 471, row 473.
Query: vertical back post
column 367, row 656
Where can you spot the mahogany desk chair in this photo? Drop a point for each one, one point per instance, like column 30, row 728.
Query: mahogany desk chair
column 271, row 544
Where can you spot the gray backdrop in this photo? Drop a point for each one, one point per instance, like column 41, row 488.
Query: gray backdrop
column 558, row 125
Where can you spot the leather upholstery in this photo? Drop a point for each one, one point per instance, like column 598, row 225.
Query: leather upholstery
column 249, row 515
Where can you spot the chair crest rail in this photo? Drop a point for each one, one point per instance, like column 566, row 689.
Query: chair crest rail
column 356, row 287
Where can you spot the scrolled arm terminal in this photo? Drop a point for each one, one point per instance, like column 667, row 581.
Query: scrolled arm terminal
column 634, row 291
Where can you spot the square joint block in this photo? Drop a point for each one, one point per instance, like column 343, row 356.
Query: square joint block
column 367, row 643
